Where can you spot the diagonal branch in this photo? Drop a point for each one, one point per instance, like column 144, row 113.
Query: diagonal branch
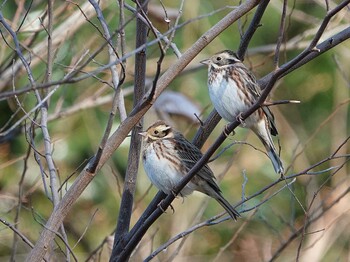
column 254, row 25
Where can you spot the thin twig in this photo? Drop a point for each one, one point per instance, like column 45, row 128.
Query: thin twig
column 15, row 230
column 118, row 99
column 281, row 33
column 19, row 204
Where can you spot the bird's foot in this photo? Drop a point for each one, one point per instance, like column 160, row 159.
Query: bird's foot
column 172, row 208
column 240, row 119
column 174, row 194
column 226, row 131
column 161, row 208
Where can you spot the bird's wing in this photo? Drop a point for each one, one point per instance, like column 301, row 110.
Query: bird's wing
column 190, row 155
column 255, row 90
column 252, row 84
column 271, row 120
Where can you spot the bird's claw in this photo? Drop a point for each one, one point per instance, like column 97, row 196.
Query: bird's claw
column 174, row 194
column 226, row 131
column 172, row 208
column 161, row 208
column 240, row 119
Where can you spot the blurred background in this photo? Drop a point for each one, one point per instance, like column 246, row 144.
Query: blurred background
column 310, row 132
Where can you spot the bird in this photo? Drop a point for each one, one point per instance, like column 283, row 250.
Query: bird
column 233, row 89
column 167, row 157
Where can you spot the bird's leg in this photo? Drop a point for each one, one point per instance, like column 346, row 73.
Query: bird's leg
column 240, row 119
column 160, row 204
column 161, row 208
column 226, row 131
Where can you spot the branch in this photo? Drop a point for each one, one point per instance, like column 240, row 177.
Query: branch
column 15, row 230
column 73, row 22
column 314, row 217
column 254, row 25
column 210, row 222
column 127, row 200
column 312, row 50
column 281, row 33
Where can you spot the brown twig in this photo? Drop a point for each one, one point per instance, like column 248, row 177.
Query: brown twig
column 18, row 233
column 281, row 33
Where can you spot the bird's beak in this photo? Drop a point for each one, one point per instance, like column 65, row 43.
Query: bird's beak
column 205, row 62
column 143, row 134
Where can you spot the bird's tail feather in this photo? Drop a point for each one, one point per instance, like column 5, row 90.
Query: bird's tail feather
column 262, row 131
column 227, row 206
column 275, row 159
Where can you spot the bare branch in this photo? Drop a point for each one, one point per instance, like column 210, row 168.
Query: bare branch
column 281, row 33
column 15, row 230
column 135, row 146
column 254, row 25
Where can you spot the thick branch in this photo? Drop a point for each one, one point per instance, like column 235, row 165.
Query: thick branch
column 135, row 144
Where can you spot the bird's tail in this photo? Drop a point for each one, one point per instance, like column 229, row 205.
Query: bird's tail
column 272, row 153
column 211, row 188
column 275, row 159
column 264, row 135
column 227, row 206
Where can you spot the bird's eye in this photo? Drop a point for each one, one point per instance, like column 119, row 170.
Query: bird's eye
column 156, row 132
column 218, row 58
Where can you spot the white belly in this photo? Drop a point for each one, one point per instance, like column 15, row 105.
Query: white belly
column 227, row 100
column 162, row 174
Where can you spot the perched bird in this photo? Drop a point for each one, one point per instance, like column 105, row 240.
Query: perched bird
column 168, row 156
column 233, row 89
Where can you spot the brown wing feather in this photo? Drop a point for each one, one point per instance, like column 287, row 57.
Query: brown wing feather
column 190, row 154
column 255, row 91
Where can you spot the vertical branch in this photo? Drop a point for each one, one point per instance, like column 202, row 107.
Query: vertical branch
column 118, row 99
column 44, row 114
column 19, row 205
column 54, row 183
column 281, row 34
column 123, row 223
column 119, row 91
column 122, row 27
column 48, row 79
column 50, row 53
column 161, row 48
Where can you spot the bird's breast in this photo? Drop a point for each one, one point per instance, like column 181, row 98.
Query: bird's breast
column 163, row 167
column 227, row 98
